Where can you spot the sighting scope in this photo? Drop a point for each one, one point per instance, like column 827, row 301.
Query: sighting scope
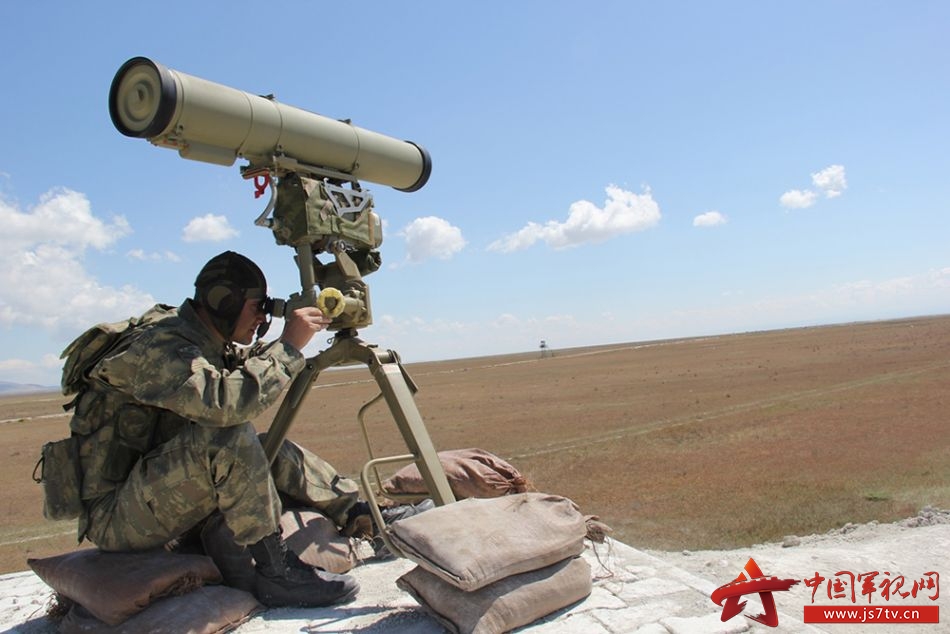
column 213, row 123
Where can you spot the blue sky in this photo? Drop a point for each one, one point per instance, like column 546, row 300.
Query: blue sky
column 602, row 172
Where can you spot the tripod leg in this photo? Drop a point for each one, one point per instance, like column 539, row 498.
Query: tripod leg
column 392, row 381
column 289, row 407
column 299, row 388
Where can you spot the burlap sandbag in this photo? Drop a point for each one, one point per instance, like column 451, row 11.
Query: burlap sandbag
column 503, row 605
column 475, row 542
column 115, row 586
column 207, row 610
column 472, row 473
column 317, row 541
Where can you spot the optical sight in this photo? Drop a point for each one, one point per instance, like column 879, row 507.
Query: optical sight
column 213, row 123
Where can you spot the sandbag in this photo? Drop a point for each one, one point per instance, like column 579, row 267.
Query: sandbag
column 115, row 586
column 476, row 542
column 503, row 605
column 472, row 473
column 317, row 541
column 207, row 610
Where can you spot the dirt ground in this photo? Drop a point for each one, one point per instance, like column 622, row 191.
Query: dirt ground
column 704, row 443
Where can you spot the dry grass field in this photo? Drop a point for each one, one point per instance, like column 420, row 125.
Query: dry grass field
column 713, row 442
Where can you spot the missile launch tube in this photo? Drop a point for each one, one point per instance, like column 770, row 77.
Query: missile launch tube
column 213, row 123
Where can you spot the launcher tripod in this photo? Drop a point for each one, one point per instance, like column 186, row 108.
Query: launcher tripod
column 322, row 216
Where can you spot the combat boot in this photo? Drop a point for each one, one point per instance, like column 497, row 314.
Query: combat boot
column 282, row 580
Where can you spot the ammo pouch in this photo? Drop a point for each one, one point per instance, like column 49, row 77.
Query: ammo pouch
column 60, row 473
column 132, row 438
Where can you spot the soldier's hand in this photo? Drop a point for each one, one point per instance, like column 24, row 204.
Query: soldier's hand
column 301, row 325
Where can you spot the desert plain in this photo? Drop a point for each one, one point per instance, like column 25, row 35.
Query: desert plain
column 698, row 443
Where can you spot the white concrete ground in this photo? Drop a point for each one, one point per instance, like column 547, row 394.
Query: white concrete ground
column 634, row 591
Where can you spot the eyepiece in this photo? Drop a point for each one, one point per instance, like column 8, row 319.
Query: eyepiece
column 142, row 98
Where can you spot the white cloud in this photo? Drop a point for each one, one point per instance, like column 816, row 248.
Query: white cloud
column 798, row 199
column 152, row 256
column 429, row 338
column 435, row 338
column 920, row 294
column 61, row 217
column 830, row 180
column 431, row 237
column 16, row 365
column 208, row 228
column 709, row 219
column 46, row 371
column 43, row 281
column 894, row 291
column 623, row 212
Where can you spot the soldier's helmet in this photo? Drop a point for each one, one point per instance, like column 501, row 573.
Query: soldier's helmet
column 224, row 284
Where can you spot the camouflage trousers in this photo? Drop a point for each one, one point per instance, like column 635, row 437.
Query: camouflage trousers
column 206, row 469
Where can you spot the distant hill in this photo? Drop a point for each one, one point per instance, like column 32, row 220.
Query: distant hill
column 6, row 387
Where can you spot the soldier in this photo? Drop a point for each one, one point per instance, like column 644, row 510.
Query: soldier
column 166, row 439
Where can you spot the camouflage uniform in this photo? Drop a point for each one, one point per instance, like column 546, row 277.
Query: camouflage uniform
column 166, row 438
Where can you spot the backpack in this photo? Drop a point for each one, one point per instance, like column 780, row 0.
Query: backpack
column 59, row 468
column 95, row 344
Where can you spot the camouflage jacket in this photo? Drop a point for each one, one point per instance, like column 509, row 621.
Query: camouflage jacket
column 171, row 372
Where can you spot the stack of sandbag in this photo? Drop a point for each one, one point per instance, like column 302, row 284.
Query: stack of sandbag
column 489, row 565
column 153, row 591
column 161, row 591
column 471, row 473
